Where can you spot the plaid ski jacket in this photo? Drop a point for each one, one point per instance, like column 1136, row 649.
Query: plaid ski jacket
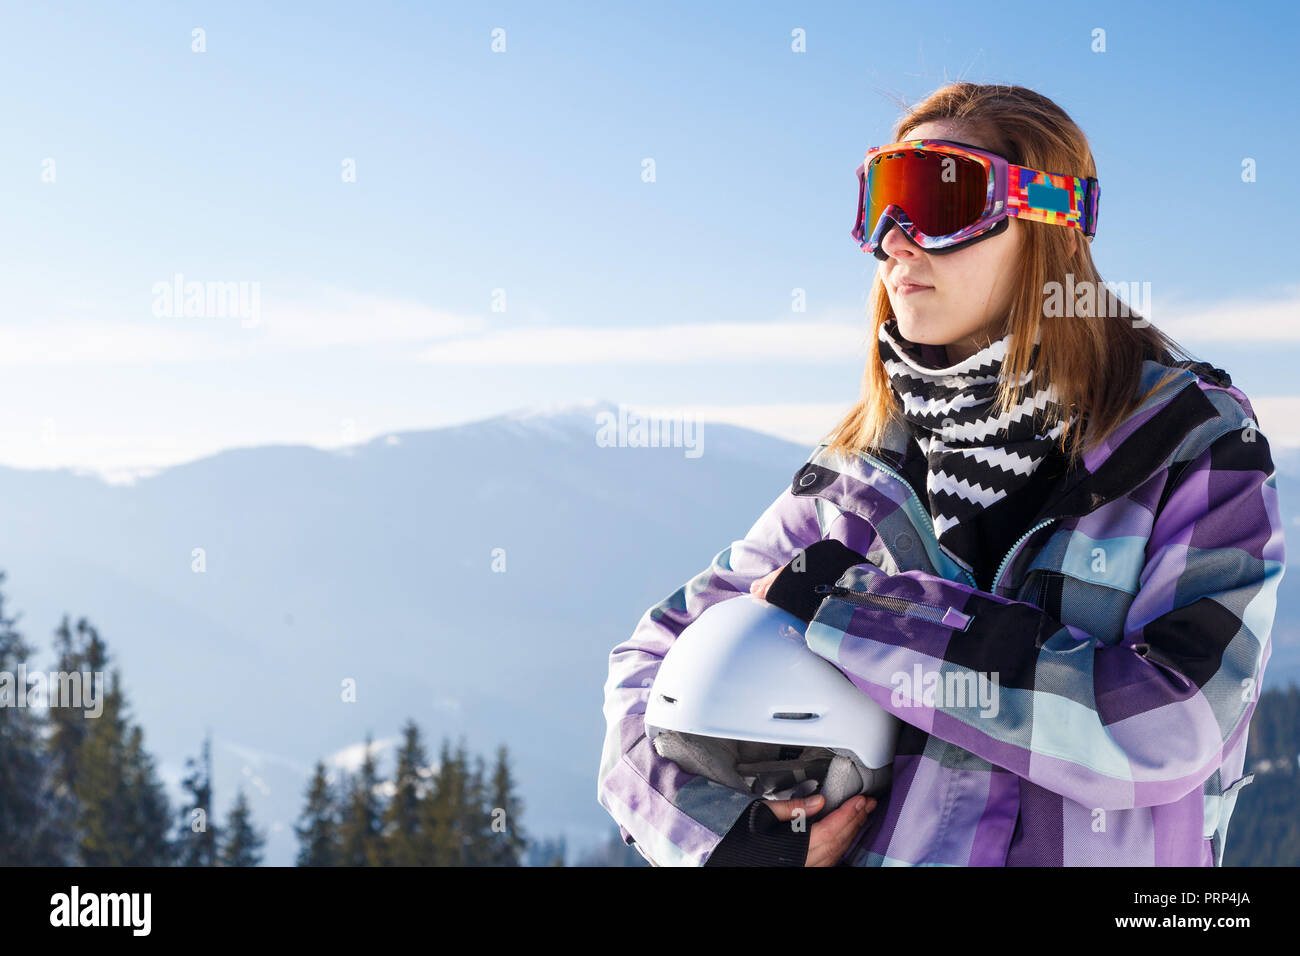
column 1091, row 708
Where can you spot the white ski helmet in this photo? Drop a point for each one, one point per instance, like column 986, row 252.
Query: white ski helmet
column 741, row 699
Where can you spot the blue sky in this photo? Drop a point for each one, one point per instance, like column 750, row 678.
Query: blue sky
column 522, row 171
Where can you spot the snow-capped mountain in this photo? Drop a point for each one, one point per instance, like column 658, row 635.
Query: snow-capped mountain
column 376, row 564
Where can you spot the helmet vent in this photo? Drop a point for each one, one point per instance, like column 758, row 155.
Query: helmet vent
column 667, row 700
column 793, row 715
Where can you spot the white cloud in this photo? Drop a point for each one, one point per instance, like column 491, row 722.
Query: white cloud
column 74, row 331
column 1278, row 417
column 1234, row 320
column 51, row 343
column 813, row 340
column 333, row 317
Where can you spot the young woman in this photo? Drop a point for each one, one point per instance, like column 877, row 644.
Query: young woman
column 1038, row 495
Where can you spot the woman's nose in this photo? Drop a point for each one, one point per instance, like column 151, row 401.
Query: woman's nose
column 896, row 243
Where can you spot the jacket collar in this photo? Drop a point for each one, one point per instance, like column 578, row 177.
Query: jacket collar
column 1137, row 449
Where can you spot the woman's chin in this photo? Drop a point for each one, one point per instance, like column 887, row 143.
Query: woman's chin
column 916, row 329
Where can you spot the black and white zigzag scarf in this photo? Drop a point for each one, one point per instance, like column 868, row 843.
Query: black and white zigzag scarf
column 974, row 459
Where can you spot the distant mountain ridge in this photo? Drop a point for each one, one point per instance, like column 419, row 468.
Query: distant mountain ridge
column 375, row 563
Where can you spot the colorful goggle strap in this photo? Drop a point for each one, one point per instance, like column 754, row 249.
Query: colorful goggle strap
column 1059, row 200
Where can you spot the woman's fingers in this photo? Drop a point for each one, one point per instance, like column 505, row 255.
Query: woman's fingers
column 830, row 838
column 786, row 809
column 759, row 587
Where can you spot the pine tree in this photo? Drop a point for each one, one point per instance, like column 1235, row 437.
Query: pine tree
column 507, row 840
column 197, row 836
column 78, row 651
column 33, row 830
column 122, row 810
column 361, row 842
column 318, row 827
column 242, row 845
column 477, row 830
column 407, row 841
column 448, row 808
column 83, row 654
column 145, row 828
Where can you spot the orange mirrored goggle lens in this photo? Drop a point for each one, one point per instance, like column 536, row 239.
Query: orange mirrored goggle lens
column 941, row 193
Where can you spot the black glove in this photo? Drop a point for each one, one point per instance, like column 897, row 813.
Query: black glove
column 759, row 838
column 824, row 563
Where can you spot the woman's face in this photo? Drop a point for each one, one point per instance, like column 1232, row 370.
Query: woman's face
column 965, row 292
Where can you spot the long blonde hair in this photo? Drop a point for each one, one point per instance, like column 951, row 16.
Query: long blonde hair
column 1095, row 364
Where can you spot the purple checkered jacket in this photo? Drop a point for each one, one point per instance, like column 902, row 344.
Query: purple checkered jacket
column 1120, row 650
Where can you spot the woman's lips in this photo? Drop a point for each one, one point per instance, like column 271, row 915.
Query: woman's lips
column 908, row 288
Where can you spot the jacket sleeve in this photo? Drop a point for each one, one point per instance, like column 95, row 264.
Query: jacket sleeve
column 672, row 817
column 1139, row 720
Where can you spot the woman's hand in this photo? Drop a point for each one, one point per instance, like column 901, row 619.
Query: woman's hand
column 759, row 587
column 831, row 837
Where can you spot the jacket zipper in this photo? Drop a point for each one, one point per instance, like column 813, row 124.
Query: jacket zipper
column 1014, row 548
column 881, row 466
column 925, row 512
column 947, row 616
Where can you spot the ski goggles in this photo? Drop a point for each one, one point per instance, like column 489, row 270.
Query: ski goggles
column 946, row 195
